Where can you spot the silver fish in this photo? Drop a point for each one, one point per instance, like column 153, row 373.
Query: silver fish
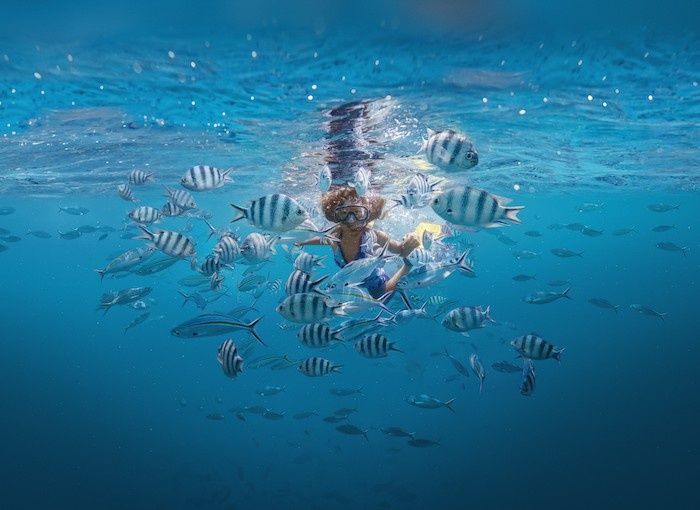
column 457, row 364
column 427, row 402
column 396, row 432
column 169, row 242
column 375, row 345
column 229, row 359
column 352, row 430
column 472, row 207
column 464, row 318
column 123, row 297
column 139, row 177
column 138, row 320
column 213, row 324
column 478, row 368
column 565, row 253
column 276, row 212
column 256, row 248
column 668, row 246
column 145, row 215
column 316, row 367
column 450, row 150
column 603, row 303
column 535, row 347
column 324, row 178
column 645, row 310
column 205, row 178
column 124, row 191
column 527, row 386
column 544, row 296
column 180, row 198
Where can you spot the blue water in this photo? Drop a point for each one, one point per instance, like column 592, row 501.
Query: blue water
column 565, row 112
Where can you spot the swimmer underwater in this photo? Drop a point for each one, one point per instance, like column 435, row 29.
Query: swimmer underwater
column 354, row 216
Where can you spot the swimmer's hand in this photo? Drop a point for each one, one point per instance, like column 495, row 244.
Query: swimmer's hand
column 409, row 243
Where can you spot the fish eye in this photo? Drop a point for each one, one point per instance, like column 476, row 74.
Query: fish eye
column 449, row 211
column 469, row 155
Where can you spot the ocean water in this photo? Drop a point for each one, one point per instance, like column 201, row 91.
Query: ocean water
column 590, row 126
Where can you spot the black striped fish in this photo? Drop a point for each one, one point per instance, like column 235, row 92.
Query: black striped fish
column 139, row 177
column 180, row 198
column 205, row 178
column 420, row 186
column 308, row 307
column 212, row 324
column 464, row 318
column 125, row 192
column 308, row 262
column 256, row 248
column 169, row 242
column 227, row 249
column 229, row 359
column 535, row 347
column 276, row 212
column 450, row 150
column 317, row 335
column 527, row 385
column 171, row 210
column 472, row 207
column 316, row 367
column 375, row 345
column 145, row 215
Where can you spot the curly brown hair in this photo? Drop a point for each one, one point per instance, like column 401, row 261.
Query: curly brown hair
column 346, row 195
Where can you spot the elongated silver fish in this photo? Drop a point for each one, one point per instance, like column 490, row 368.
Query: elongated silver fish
column 645, row 310
column 450, row 150
column 123, row 297
column 127, row 260
column 478, row 368
column 229, row 359
column 205, row 178
column 535, row 347
column 316, row 367
column 431, row 273
column 276, row 212
column 169, row 242
column 544, row 296
column 459, row 367
column 427, row 402
column 472, row 207
column 213, row 324
column 352, row 430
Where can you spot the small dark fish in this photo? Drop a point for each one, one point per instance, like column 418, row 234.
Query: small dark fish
column 351, row 430
column 345, row 392
column 507, row 240
column 255, row 409
column 87, row 229
column 5, row 210
column 396, row 432
column 11, row 239
column 555, row 226
column 663, row 228
column 589, row 206
column 75, row 211
column 506, row 367
column 40, row 234
column 526, row 254
column 422, row 443
column 304, row 414
column 577, row 227
column 591, row 232
column 645, row 310
column 215, row 416
column 543, row 297
column 662, row 207
column 533, row 233
column 273, row 415
column 666, row 246
column 70, row 235
column 565, row 253
column 603, row 303
column 334, row 419
column 523, row 277
column 624, row 231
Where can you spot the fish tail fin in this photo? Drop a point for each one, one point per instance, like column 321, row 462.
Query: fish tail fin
column 566, row 293
column 147, row 234
column 241, row 212
column 101, row 272
column 557, row 354
column 251, row 327
column 392, row 348
column 448, row 405
column 512, row 213
column 487, row 314
column 337, row 368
